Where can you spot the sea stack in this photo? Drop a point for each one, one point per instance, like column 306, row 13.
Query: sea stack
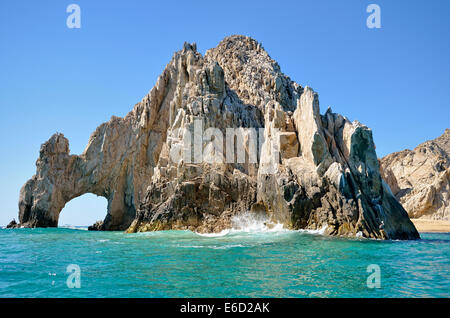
column 309, row 171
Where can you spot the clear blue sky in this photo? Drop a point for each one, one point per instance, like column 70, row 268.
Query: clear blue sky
column 394, row 79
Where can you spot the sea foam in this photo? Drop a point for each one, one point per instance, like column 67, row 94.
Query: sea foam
column 248, row 223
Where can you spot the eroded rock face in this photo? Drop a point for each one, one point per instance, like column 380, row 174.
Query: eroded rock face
column 117, row 163
column 169, row 165
column 420, row 178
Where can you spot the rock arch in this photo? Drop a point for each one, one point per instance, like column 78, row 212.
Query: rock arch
column 62, row 177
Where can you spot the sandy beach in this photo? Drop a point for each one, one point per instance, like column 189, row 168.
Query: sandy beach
column 424, row 225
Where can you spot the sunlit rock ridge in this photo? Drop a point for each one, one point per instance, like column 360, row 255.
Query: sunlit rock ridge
column 420, row 178
column 313, row 171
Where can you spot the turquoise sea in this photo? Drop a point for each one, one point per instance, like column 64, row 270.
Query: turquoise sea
column 276, row 263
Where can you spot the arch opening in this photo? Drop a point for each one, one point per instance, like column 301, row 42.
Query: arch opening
column 83, row 211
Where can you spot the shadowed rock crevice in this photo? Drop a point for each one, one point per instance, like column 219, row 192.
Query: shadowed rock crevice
column 313, row 171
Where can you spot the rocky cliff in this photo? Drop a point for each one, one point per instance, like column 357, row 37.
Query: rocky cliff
column 420, row 178
column 220, row 135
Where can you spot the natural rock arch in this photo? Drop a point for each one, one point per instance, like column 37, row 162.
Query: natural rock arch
column 62, row 177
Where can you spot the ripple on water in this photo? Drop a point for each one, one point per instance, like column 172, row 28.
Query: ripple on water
column 240, row 263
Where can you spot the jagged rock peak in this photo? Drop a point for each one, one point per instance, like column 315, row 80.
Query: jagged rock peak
column 253, row 74
column 244, row 49
column 189, row 47
column 57, row 144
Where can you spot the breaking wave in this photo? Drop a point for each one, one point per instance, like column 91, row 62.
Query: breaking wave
column 320, row 231
column 254, row 222
column 74, row 227
column 258, row 223
column 248, row 223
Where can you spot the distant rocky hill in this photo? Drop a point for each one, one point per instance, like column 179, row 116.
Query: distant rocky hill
column 420, row 178
column 170, row 164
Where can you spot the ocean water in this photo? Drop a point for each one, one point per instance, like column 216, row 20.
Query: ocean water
column 251, row 261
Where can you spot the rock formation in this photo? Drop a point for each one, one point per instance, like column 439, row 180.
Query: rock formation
column 420, row 178
column 168, row 164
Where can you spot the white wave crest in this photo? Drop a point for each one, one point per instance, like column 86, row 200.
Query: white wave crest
column 74, row 227
column 248, row 223
column 320, row 231
column 221, row 233
column 254, row 222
